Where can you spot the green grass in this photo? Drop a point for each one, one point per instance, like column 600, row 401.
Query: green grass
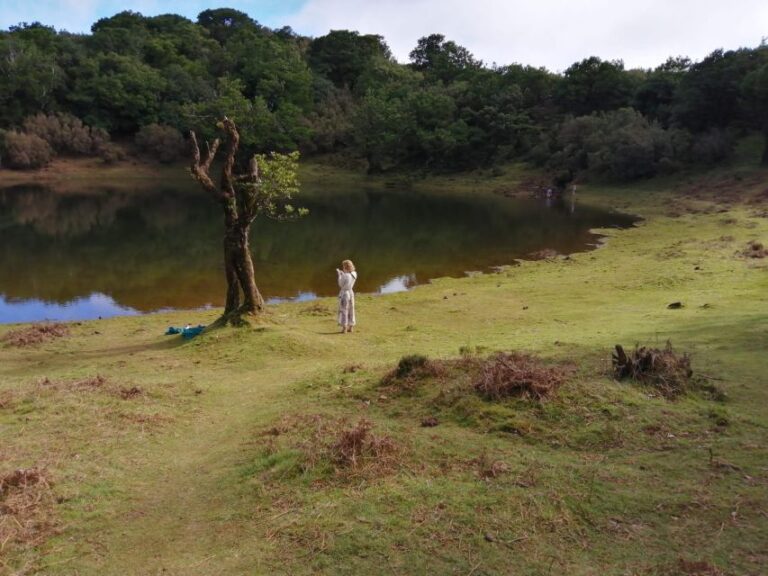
column 604, row 478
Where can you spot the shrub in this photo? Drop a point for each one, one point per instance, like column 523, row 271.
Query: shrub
column 505, row 375
column 110, row 153
column 357, row 443
column 36, row 334
column 711, row 147
column 665, row 370
column 622, row 145
column 410, row 364
column 411, row 369
column 66, row 133
column 25, row 151
column 165, row 143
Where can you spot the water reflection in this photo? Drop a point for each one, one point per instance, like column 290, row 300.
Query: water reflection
column 86, row 308
column 90, row 254
column 398, row 284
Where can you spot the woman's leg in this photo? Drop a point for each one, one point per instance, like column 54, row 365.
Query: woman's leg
column 344, row 312
column 351, row 320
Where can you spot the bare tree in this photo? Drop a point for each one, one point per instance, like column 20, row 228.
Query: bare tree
column 265, row 189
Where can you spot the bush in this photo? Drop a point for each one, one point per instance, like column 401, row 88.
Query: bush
column 670, row 373
column 66, row 134
column 25, row 151
column 622, row 145
column 711, row 147
column 110, row 153
column 505, row 375
column 165, row 143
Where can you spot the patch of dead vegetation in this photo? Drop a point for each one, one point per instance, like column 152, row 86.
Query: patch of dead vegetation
column 35, row 334
column 497, row 377
column 685, row 567
column 411, row 369
column 666, row 371
column 88, row 383
column 754, row 249
column 356, row 444
column 129, row 393
column 152, row 421
column 333, row 445
column 488, row 468
column 6, row 399
column 26, row 509
column 759, row 198
column 352, row 368
column 505, row 375
column 726, row 189
column 316, row 309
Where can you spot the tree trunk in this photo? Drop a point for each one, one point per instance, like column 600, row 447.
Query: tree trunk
column 233, row 289
column 242, row 264
column 238, row 267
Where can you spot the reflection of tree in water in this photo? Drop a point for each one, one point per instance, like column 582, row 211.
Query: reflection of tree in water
column 161, row 248
column 61, row 215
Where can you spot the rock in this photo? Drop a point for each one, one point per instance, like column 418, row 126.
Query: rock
column 675, row 305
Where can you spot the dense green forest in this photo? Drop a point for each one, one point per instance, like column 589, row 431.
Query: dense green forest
column 148, row 80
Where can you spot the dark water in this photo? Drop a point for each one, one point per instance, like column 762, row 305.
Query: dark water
column 68, row 256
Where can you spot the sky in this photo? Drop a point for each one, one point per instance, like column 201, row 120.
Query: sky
column 549, row 33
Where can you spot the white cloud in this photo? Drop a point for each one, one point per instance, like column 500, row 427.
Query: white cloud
column 70, row 15
column 552, row 33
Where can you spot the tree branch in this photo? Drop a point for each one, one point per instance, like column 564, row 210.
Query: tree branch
column 200, row 168
column 233, row 141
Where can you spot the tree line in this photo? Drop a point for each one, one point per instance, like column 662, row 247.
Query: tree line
column 150, row 80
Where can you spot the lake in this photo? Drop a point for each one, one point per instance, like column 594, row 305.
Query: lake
column 76, row 256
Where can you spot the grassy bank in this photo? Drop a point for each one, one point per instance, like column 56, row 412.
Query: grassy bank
column 227, row 454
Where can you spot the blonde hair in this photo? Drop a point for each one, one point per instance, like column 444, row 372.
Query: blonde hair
column 347, row 266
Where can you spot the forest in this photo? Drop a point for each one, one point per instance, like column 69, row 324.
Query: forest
column 139, row 84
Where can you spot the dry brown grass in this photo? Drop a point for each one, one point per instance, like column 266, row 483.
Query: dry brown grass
column 6, row 399
column 351, row 449
column 754, row 249
column 668, row 372
column 488, row 468
column 26, row 509
column 35, row 334
column 89, row 383
column 357, row 443
column 505, row 375
column 685, row 567
column 132, row 392
column 316, row 309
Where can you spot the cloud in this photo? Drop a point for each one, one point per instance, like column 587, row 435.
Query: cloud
column 552, row 33
column 72, row 15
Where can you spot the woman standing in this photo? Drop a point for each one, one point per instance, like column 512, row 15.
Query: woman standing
column 347, row 277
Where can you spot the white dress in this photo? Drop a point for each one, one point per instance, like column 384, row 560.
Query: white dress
column 346, row 298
